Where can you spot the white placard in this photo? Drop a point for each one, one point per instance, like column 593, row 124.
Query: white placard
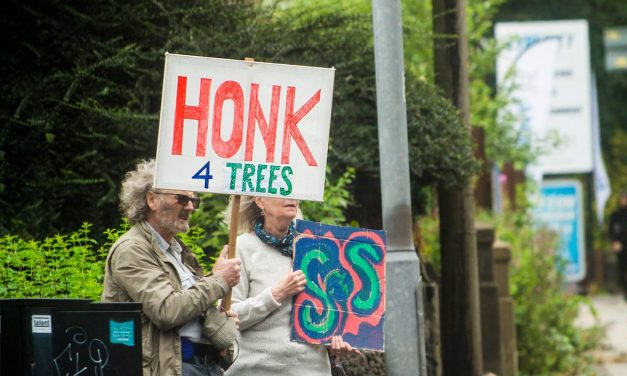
column 568, row 113
column 239, row 127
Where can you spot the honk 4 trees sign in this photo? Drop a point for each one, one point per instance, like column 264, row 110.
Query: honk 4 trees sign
column 243, row 127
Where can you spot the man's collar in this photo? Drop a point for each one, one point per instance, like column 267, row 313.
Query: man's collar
column 161, row 243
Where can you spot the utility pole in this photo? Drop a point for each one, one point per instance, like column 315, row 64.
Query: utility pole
column 460, row 320
column 404, row 329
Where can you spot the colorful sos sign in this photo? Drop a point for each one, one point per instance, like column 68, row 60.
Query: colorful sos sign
column 239, row 127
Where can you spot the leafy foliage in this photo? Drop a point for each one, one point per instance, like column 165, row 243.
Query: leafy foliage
column 337, row 197
column 548, row 340
column 68, row 266
column 81, row 87
column 441, row 151
column 439, row 146
column 192, row 240
column 504, row 142
column 427, row 240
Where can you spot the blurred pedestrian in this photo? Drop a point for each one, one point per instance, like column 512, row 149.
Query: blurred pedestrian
column 182, row 332
column 618, row 236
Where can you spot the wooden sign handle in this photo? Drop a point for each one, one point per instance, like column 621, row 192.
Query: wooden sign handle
column 233, row 225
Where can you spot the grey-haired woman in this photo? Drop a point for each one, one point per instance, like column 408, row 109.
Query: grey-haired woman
column 262, row 298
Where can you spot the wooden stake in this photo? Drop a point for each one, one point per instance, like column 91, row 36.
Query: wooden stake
column 233, row 225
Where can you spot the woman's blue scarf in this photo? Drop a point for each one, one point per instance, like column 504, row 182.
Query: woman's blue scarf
column 283, row 244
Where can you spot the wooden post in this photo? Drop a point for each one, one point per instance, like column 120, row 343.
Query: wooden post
column 460, row 319
column 502, row 259
column 483, row 185
column 233, row 225
column 492, row 347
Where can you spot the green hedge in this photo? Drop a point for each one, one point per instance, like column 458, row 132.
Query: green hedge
column 60, row 266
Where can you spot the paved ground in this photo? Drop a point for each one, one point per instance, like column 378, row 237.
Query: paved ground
column 612, row 314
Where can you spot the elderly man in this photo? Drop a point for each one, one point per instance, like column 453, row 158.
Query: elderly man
column 182, row 331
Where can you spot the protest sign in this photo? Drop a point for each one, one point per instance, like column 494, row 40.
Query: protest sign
column 345, row 291
column 244, row 127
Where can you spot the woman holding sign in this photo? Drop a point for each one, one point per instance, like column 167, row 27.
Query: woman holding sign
column 263, row 297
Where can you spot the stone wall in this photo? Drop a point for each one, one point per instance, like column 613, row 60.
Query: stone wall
column 370, row 363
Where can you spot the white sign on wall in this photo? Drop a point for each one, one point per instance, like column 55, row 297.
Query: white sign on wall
column 551, row 66
column 239, row 127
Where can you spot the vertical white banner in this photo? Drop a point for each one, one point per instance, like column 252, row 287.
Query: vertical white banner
column 602, row 187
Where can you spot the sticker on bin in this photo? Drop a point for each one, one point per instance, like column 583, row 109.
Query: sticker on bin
column 42, row 324
column 122, row 332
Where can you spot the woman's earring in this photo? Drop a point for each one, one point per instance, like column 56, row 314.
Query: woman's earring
column 263, row 212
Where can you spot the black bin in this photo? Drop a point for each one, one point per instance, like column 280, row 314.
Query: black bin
column 45, row 337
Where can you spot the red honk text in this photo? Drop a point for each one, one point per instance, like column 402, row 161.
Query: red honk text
column 257, row 119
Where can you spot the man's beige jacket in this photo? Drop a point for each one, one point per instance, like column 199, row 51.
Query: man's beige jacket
column 138, row 271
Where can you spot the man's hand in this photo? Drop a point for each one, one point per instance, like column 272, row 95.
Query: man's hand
column 229, row 269
column 291, row 284
column 617, row 246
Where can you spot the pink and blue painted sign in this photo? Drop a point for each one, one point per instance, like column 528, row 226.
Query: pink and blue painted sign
column 345, row 291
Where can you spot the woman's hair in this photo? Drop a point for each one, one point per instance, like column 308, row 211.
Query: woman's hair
column 248, row 213
column 134, row 188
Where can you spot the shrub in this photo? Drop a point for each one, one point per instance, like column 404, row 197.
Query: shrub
column 60, row 266
column 548, row 340
column 427, row 239
column 65, row 266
